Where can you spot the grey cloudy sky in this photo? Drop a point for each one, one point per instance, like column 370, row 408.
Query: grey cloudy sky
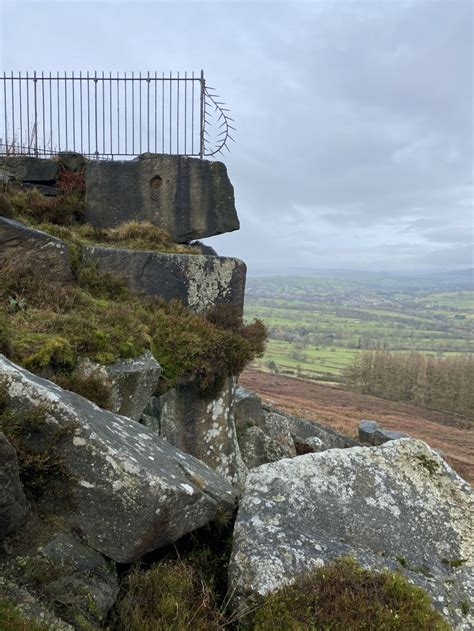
column 355, row 126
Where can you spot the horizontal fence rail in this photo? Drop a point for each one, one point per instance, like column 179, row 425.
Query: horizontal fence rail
column 105, row 115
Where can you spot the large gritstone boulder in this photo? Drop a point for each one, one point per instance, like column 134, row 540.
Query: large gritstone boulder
column 131, row 382
column 301, row 430
column 13, row 505
column 23, row 247
column 129, row 491
column 371, row 433
column 199, row 282
column 248, row 409
column 203, row 427
column 186, row 197
column 29, row 169
column 398, row 506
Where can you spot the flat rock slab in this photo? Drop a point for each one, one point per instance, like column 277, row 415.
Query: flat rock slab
column 130, row 491
column 198, row 281
column 21, row 245
column 204, row 428
column 398, row 506
column 13, row 505
column 371, row 433
column 186, row 197
column 30, row 169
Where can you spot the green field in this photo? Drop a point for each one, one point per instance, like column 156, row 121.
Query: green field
column 317, row 324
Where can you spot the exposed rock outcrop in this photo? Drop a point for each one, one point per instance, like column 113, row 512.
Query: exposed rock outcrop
column 23, row 246
column 371, row 433
column 186, row 197
column 129, row 491
column 398, row 506
column 13, row 504
column 132, row 382
column 30, row 169
column 198, row 281
column 202, row 427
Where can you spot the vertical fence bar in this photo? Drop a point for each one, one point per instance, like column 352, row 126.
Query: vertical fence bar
column 21, row 114
column 126, row 116
column 73, row 112
column 82, row 116
column 43, row 107
column 28, row 110
column 133, row 112
column 192, row 115
column 5, row 111
column 148, row 111
column 156, row 114
column 65, row 110
column 110, row 112
column 140, row 109
column 103, row 113
column 203, row 114
column 88, row 115
column 59, row 112
column 171, row 115
column 118, row 114
column 36, row 114
column 13, row 114
column 96, row 130
column 177, row 114
column 51, row 110
column 163, row 113
column 185, row 110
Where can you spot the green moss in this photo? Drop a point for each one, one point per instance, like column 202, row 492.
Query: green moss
column 341, row 596
column 465, row 607
column 428, row 463
column 12, row 619
column 454, row 563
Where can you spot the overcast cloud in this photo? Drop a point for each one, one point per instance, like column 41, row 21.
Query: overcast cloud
column 355, row 125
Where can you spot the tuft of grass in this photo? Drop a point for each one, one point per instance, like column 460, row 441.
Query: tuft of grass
column 12, row 619
column 342, row 595
column 91, row 387
column 31, row 206
column 37, row 441
column 170, row 595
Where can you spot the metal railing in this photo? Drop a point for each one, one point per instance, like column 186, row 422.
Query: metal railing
column 105, row 116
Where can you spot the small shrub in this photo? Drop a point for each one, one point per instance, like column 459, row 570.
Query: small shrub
column 92, row 388
column 171, row 596
column 37, row 442
column 342, row 595
column 31, row 206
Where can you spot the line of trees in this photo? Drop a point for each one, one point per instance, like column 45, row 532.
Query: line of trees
column 443, row 383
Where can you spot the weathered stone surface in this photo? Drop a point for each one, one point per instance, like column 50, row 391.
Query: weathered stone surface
column 71, row 161
column 31, row 608
column 277, row 427
column 200, row 282
column 130, row 491
column 257, row 448
column 30, row 169
column 20, row 245
column 85, row 583
column 132, row 382
column 248, row 409
column 204, row 428
column 398, row 506
column 188, row 198
column 13, row 505
column 371, row 433
column 302, row 429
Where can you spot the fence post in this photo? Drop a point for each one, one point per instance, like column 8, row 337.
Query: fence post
column 35, row 127
column 203, row 114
